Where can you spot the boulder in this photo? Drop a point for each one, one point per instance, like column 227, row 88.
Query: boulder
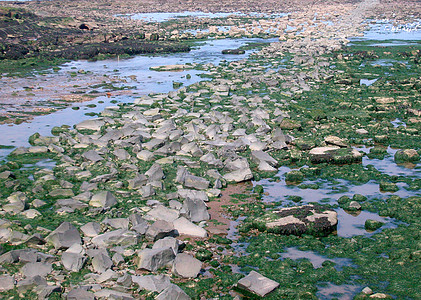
column 92, row 124
column 160, row 229
column 7, row 283
column 36, row 269
column 103, row 199
column 154, row 259
column 73, row 258
column 91, row 229
column 120, row 237
column 196, row 182
column 185, row 227
column 309, row 219
column 196, row 210
column 257, row 284
column 239, row 175
column 170, row 242
column 173, row 292
column 161, row 212
column 64, row 236
column 101, row 262
column 93, row 156
column 152, row 283
column 186, row 266
column 261, row 156
column 112, row 294
column 80, row 294
column 334, row 154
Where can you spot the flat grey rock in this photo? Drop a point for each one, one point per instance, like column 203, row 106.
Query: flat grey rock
column 91, row 229
column 168, row 241
column 196, row 210
column 103, row 199
column 80, row 294
column 186, row 266
column 36, row 269
column 93, row 156
column 7, row 283
column 160, row 229
column 120, row 237
column 64, row 236
column 185, row 227
column 154, row 259
column 173, row 292
column 257, row 284
column 153, row 283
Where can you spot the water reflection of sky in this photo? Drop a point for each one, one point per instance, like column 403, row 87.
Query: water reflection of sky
column 135, row 71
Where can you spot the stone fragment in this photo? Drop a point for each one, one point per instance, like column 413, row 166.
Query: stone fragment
column 196, row 182
column 173, row 292
column 185, row 227
column 170, row 242
column 92, row 124
column 239, row 175
column 160, row 229
column 154, row 259
column 36, row 269
column 91, row 229
column 152, row 283
column 93, row 156
column 297, row 220
column 101, row 262
column 73, row 258
column 186, row 266
column 80, row 294
column 257, row 284
column 161, row 212
column 120, row 237
column 64, row 236
column 112, row 294
column 7, row 283
column 196, row 210
column 103, row 199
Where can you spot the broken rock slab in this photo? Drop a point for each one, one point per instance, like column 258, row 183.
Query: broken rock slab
column 154, row 259
column 309, row 219
column 173, row 292
column 196, row 210
column 152, row 283
column 64, row 236
column 257, row 284
column 103, row 199
column 239, row 175
column 185, row 227
column 186, row 266
column 120, row 237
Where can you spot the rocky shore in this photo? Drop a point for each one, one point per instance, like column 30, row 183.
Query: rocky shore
column 125, row 207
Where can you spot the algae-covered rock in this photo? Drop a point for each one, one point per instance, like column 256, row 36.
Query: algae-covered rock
column 294, row 176
column 372, row 225
column 388, row 187
column 307, row 219
column 406, row 155
column 335, row 154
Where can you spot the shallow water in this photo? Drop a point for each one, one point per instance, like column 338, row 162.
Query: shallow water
column 165, row 16
column 316, row 259
column 350, row 225
column 384, row 30
column 331, row 291
column 368, row 82
column 135, row 71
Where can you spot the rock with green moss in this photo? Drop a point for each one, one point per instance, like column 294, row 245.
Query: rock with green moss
column 307, row 219
column 407, row 155
column 388, row 187
column 294, row 176
column 372, row 225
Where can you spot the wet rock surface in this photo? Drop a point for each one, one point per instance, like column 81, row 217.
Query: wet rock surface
column 131, row 207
